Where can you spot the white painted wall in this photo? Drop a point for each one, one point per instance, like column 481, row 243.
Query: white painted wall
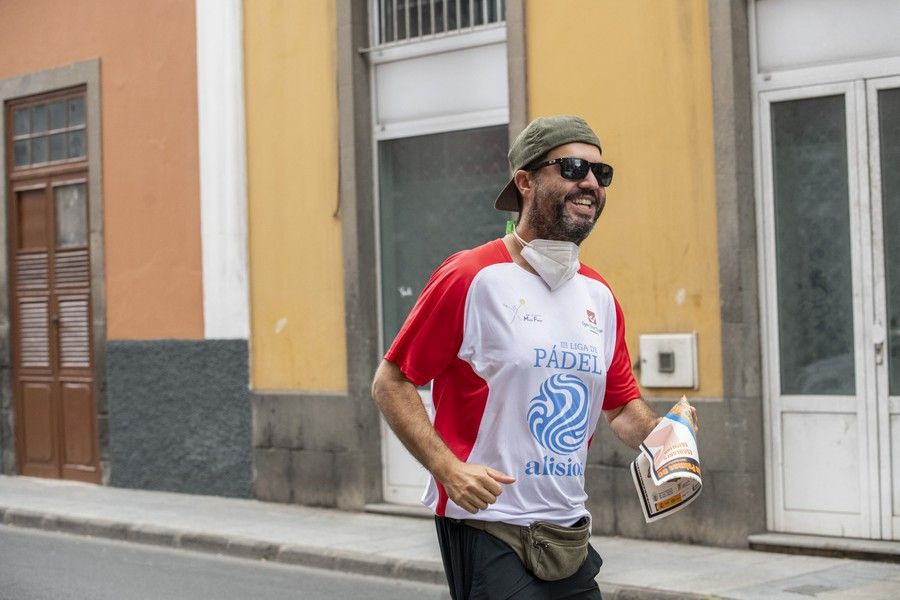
column 223, row 173
column 794, row 34
column 452, row 83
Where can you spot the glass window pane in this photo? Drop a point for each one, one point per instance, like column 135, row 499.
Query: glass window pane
column 436, row 196
column 889, row 138
column 58, row 115
column 58, row 146
column 71, row 215
column 22, row 122
column 413, row 9
column 439, row 24
column 76, row 112
column 40, row 150
column 39, row 118
column 76, row 143
column 20, row 152
column 812, row 236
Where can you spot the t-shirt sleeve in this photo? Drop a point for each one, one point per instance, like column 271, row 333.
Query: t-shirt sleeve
column 620, row 384
column 431, row 336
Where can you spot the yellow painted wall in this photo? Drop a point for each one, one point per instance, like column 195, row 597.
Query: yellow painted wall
column 296, row 272
column 639, row 72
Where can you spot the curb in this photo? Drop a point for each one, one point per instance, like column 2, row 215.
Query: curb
column 422, row 571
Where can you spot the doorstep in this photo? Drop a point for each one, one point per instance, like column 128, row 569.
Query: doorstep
column 820, row 545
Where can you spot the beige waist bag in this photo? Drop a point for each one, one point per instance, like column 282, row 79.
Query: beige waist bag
column 549, row 551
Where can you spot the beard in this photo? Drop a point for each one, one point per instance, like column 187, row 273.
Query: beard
column 551, row 220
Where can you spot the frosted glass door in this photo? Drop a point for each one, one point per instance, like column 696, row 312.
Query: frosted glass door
column 436, row 197
column 884, row 125
column 821, row 481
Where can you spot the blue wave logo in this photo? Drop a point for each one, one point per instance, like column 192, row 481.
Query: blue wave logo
column 558, row 416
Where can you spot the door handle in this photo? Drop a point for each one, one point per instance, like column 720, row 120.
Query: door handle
column 878, row 338
column 54, row 319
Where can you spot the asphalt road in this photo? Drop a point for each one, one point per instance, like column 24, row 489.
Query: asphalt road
column 39, row 565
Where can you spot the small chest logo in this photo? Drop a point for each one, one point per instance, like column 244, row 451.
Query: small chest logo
column 591, row 323
column 517, row 312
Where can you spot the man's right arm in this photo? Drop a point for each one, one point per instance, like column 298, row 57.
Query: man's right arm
column 473, row 487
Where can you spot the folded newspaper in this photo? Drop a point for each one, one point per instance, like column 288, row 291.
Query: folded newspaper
column 667, row 471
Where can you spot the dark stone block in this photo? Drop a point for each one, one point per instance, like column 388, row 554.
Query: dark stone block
column 272, row 473
column 179, row 416
column 303, row 422
column 328, row 465
column 314, row 477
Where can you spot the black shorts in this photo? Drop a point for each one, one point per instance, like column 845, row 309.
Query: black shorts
column 481, row 567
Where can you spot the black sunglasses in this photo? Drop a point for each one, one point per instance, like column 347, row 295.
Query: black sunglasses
column 576, row 169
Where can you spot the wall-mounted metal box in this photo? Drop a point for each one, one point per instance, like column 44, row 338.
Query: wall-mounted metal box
column 669, row 360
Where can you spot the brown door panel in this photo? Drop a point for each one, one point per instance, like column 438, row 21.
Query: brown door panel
column 36, row 428
column 79, row 457
column 78, row 423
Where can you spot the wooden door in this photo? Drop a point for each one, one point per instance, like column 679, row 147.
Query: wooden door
column 50, row 289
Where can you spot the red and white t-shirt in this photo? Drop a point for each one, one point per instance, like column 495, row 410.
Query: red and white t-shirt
column 520, row 374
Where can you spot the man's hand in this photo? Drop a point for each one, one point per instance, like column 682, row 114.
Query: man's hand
column 472, row 487
column 694, row 420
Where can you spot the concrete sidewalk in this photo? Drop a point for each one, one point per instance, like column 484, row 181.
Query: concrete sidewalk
column 405, row 547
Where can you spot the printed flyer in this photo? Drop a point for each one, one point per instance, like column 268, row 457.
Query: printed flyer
column 666, row 473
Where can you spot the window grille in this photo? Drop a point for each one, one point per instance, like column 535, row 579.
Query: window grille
column 402, row 21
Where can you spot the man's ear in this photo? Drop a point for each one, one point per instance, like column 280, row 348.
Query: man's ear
column 523, row 181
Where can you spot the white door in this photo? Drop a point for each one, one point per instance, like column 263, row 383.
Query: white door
column 883, row 108
column 440, row 109
column 826, row 284
column 435, row 197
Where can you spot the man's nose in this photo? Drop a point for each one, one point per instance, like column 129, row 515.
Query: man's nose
column 589, row 182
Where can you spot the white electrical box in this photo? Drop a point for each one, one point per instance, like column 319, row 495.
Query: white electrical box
column 669, row 360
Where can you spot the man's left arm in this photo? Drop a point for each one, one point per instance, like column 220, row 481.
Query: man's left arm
column 632, row 422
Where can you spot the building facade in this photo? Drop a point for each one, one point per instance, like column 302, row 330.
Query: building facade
column 124, row 298
column 255, row 239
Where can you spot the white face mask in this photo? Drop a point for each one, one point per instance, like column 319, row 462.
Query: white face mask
column 555, row 261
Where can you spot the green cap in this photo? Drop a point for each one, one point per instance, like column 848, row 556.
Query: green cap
column 540, row 137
